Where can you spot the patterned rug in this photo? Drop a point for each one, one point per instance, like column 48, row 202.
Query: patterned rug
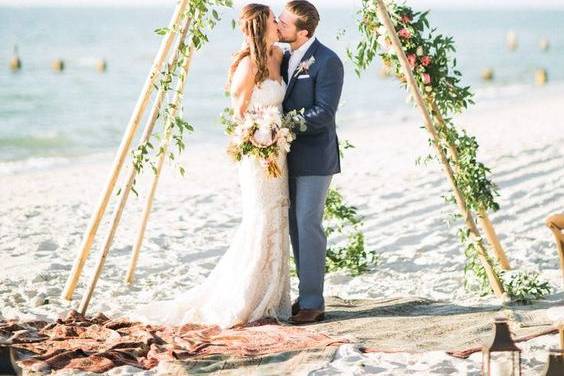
column 98, row 343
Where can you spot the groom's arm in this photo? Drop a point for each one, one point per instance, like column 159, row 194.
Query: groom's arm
column 328, row 88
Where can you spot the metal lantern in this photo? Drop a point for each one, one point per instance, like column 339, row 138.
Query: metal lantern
column 500, row 356
column 555, row 365
column 8, row 364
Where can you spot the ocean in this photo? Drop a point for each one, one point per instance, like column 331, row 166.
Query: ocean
column 48, row 116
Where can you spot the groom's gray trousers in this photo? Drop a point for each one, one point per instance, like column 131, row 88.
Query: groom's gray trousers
column 309, row 243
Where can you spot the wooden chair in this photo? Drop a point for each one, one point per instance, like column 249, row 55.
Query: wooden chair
column 556, row 224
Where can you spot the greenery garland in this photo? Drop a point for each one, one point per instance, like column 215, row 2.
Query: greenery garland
column 343, row 220
column 203, row 16
column 430, row 58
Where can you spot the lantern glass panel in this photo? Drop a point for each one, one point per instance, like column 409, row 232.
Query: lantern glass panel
column 502, row 363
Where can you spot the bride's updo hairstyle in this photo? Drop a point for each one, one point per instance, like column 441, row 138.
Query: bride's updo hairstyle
column 253, row 22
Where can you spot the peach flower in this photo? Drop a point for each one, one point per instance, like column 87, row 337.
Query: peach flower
column 425, row 60
column 404, row 33
column 411, row 59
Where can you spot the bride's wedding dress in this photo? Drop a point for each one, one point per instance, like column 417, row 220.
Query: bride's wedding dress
column 251, row 280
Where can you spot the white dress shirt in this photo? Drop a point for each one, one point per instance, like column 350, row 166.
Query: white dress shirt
column 297, row 56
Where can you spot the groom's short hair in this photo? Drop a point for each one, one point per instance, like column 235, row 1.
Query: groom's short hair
column 308, row 16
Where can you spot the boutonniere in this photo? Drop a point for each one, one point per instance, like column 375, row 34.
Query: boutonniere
column 304, row 66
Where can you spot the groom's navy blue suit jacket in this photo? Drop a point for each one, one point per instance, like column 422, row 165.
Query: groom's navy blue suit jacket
column 315, row 151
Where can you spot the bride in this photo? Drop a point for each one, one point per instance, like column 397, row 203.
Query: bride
column 251, row 280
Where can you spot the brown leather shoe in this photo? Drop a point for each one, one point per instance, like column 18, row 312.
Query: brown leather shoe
column 295, row 308
column 307, row 316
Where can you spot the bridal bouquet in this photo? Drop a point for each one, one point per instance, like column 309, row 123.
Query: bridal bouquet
column 262, row 134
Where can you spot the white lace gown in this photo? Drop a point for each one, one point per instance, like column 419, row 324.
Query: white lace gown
column 251, row 280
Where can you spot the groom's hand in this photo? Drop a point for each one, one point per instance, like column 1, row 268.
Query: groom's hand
column 328, row 88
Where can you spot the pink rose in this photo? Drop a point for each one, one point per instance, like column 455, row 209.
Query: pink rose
column 404, row 33
column 425, row 60
column 426, row 78
column 411, row 59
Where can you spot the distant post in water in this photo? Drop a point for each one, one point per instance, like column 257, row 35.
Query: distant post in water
column 487, row 74
column 541, row 77
column 15, row 61
column 544, row 44
column 512, row 41
column 101, row 65
column 58, row 65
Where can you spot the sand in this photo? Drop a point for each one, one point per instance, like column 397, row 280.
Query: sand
column 44, row 212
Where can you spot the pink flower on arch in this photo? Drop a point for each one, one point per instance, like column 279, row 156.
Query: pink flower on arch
column 425, row 60
column 404, row 33
column 426, row 78
column 411, row 59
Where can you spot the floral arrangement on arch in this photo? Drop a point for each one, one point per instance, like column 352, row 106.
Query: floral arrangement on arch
column 428, row 54
column 430, row 57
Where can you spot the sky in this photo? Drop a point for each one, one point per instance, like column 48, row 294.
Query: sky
column 482, row 4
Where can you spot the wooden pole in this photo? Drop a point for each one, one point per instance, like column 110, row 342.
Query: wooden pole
column 134, row 121
column 487, row 225
column 149, row 203
column 126, row 189
column 483, row 218
column 178, row 90
column 466, row 214
column 561, row 332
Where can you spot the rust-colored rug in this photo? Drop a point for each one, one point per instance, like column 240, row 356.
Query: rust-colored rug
column 98, row 344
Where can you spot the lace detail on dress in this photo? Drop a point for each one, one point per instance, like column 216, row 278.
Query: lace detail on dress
column 268, row 93
column 251, row 280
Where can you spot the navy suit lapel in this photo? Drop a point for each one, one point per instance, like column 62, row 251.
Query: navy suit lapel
column 309, row 53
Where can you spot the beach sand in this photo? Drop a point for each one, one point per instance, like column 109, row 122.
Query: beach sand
column 44, row 213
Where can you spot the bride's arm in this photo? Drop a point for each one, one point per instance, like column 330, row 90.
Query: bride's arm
column 242, row 86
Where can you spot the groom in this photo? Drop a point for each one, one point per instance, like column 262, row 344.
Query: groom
column 314, row 75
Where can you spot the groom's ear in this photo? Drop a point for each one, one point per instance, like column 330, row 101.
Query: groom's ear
column 304, row 34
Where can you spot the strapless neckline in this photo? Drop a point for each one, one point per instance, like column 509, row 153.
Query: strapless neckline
column 280, row 82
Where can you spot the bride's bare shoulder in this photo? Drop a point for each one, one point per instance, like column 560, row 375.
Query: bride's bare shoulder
column 243, row 77
column 245, row 69
column 246, row 65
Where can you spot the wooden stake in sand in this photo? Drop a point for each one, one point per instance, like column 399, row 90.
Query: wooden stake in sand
column 136, row 117
column 483, row 218
column 493, row 278
column 164, row 151
column 126, row 189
